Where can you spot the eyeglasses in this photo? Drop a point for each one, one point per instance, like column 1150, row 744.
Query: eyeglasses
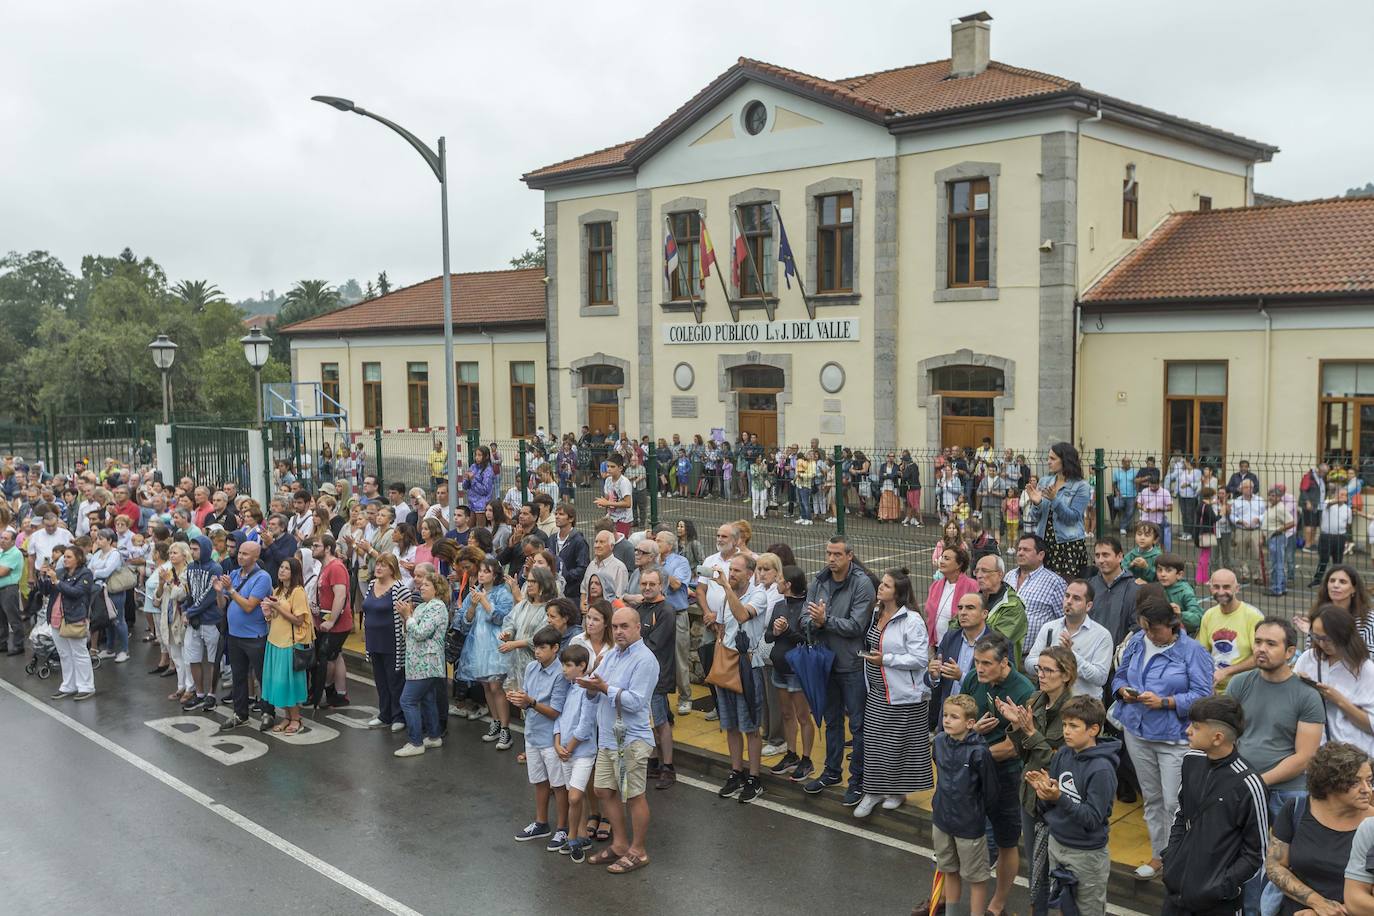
column 646, row 553
column 1322, row 638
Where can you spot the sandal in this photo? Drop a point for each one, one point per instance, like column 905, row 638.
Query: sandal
column 520, row 757
column 626, row 864
column 280, row 727
column 592, row 821
column 604, row 857
column 292, row 727
column 603, row 830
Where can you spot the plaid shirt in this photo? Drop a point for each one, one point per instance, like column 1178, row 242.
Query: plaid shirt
column 1042, row 591
column 1154, row 504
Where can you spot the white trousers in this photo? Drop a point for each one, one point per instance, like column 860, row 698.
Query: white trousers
column 77, row 674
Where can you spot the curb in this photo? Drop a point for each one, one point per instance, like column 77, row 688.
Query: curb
column 908, row 823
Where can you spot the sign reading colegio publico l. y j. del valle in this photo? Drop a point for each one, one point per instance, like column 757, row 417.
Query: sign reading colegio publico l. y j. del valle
column 829, row 330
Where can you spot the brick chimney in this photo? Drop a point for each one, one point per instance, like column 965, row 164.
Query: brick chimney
column 969, row 41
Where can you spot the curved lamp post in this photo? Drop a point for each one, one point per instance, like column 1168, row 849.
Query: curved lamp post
column 164, row 354
column 438, row 163
column 256, row 347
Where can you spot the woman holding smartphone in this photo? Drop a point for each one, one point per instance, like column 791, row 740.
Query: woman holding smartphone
column 287, row 612
column 1161, row 673
column 481, row 617
column 1338, row 665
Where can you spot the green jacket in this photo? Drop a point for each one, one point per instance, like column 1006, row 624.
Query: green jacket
column 1181, row 593
column 1008, row 617
column 1036, row 750
column 1149, row 556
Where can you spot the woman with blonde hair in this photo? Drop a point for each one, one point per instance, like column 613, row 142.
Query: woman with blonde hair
column 172, row 590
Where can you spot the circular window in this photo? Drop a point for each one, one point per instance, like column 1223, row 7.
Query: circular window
column 832, row 377
column 684, row 376
column 755, row 117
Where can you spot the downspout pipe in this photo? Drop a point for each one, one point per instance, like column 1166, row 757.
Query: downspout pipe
column 1264, row 414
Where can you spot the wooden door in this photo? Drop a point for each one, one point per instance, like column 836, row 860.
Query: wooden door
column 601, row 416
column 964, row 432
column 763, row 423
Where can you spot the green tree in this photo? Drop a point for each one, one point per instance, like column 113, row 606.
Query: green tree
column 532, row 257
column 383, row 284
column 198, row 294
column 307, row 299
column 227, row 381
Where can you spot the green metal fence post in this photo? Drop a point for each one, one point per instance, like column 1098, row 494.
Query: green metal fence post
column 523, row 474
column 651, row 481
column 839, row 491
column 474, row 440
column 1100, row 475
column 377, row 438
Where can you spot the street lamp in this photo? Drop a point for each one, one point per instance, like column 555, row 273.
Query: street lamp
column 164, row 354
column 438, row 163
column 256, row 347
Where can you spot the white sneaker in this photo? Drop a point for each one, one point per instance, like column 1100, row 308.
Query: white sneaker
column 866, row 805
column 434, row 742
column 409, row 750
column 1145, row 872
column 684, row 708
column 893, row 802
column 105, row 653
column 398, row 726
column 773, row 750
column 121, row 658
column 375, row 722
column 477, row 713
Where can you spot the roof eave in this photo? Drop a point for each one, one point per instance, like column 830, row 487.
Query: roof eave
column 1084, row 103
column 1242, row 301
column 413, row 328
column 680, row 120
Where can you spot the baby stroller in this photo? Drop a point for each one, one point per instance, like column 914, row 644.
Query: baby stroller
column 45, row 658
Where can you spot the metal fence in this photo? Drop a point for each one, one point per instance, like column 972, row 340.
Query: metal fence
column 892, row 524
column 211, row 455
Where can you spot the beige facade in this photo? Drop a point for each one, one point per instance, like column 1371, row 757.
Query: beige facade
column 1273, row 367
column 396, row 355
column 1055, row 179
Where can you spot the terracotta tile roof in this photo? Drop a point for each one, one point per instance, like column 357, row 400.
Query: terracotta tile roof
column 925, row 88
column 495, row 297
column 905, row 91
column 1308, row 248
column 257, row 321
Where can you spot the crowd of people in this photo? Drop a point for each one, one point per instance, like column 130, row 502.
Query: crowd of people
column 1029, row 695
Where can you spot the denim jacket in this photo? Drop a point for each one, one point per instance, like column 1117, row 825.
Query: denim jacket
column 1068, row 507
column 1182, row 671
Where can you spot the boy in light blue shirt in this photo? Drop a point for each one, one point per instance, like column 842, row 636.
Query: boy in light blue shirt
column 574, row 741
column 543, row 696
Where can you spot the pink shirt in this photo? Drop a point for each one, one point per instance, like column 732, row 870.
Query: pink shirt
column 1154, row 504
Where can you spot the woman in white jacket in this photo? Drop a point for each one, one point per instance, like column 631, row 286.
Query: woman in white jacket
column 896, row 744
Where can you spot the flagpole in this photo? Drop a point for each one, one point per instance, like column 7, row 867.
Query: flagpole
column 749, row 256
column 734, row 309
column 696, row 312
column 806, row 300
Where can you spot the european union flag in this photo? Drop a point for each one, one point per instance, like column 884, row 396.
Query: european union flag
column 789, row 263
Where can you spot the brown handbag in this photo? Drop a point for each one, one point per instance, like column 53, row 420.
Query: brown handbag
column 725, row 669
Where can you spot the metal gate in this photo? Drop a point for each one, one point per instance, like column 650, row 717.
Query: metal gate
column 211, row 455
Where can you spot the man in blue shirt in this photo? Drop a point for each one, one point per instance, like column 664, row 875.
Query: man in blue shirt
column 240, row 595
column 1123, row 495
column 620, row 693
column 677, row 573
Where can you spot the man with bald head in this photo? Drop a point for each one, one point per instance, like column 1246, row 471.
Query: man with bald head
column 240, row 595
column 604, row 562
column 621, row 691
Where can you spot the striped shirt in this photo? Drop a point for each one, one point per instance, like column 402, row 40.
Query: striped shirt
column 1042, row 592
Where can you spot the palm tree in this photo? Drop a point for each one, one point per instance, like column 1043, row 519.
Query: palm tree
column 198, row 293
column 307, row 299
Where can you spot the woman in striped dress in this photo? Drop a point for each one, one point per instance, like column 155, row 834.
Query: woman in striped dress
column 896, row 743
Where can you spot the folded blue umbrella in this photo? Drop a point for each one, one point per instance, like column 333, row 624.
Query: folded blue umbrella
column 1064, row 891
column 811, row 664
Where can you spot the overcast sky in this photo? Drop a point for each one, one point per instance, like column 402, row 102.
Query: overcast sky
column 185, row 130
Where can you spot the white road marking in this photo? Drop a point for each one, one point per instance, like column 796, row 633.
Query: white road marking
column 922, row 851
column 343, row 879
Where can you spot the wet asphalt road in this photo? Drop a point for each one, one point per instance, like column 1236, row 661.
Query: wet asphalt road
column 88, row 830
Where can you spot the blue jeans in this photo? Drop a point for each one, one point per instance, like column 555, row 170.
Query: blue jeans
column 1278, row 580
column 844, row 696
column 1250, row 898
column 804, row 501
column 1168, row 534
column 418, row 707
column 1290, row 556
column 117, row 635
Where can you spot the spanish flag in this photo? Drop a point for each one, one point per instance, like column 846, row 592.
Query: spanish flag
column 708, row 251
